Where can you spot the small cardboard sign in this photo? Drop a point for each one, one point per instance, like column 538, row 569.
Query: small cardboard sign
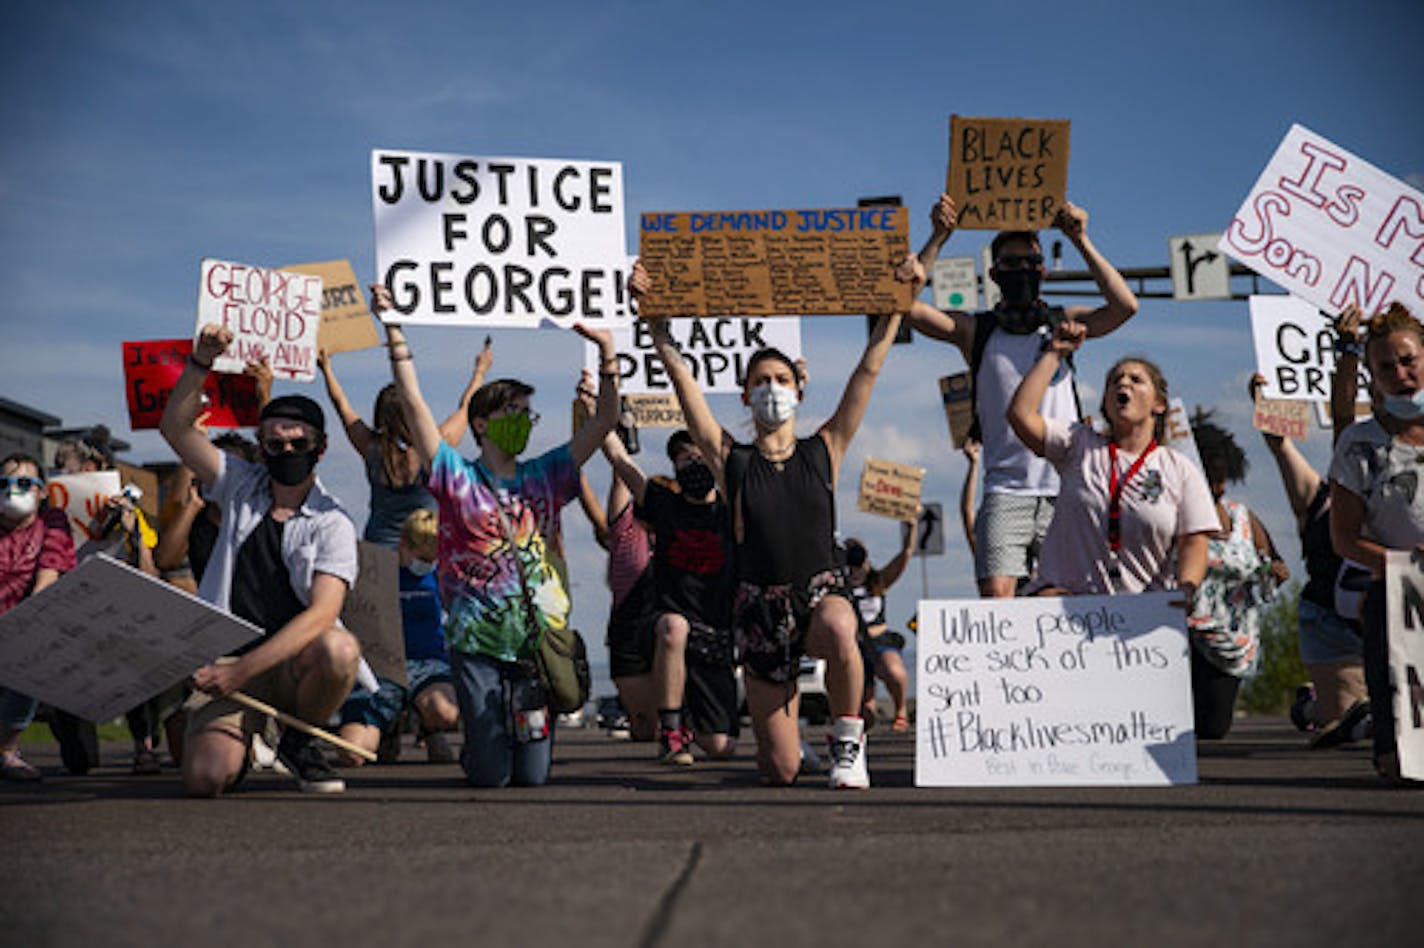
column 1295, row 349
column 1007, row 173
column 346, row 321
column 1054, row 691
column 1179, row 433
column 372, row 612
column 151, row 369
column 479, row 241
column 1404, row 614
column 107, row 637
column 890, row 489
column 273, row 314
column 1331, row 228
column 957, row 393
column 775, row 262
column 1279, row 416
column 717, row 352
column 83, row 497
column 655, row 410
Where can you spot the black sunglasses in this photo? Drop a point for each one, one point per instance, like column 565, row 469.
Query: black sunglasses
column 1014, row 261
column 276, row 446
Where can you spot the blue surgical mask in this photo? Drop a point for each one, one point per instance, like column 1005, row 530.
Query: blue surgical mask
column 1405, row 407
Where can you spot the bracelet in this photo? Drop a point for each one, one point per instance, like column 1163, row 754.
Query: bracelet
column 611, row 360
column 404, row 358
column 608, row 375
column 204, row 366
column 1346, row 346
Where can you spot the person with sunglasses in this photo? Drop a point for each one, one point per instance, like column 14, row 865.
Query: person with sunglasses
column 284, row 558
column 36, row 546
column 1001, row 346
column 500, row 566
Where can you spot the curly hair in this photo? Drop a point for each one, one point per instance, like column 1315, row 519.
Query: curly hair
column 1390, row 320
column 1220, row 454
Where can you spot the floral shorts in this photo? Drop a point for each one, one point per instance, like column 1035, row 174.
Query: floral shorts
column 771, row 622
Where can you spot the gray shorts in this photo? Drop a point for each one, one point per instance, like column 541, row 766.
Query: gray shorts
column 1327, row 639
column 1008, row 533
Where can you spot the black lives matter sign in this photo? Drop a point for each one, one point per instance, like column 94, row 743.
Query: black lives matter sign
column 1007, row 173
column 478, row 241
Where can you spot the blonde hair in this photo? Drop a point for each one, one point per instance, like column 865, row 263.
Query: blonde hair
column 420, row 533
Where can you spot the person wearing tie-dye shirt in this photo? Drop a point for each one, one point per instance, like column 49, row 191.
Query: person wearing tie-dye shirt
column 490, row 585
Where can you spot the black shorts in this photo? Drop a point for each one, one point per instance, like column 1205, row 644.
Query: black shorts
column 771, row 623
column 711, row 699
column 630, row 631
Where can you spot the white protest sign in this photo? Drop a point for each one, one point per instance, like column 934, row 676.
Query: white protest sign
column 1331, row 228
column 82, row 498
column 717, row 351
column 273, row 315
column 955, row 285
column 1179, row 433
column 1295, row 349
column 478, row 241
column 372, row 612
column 107, row 637
column 1054, row 691
column 1404, row 613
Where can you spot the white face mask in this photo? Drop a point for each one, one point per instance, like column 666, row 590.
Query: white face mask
column 773, row 405
column 420, row 567
column 19, row 504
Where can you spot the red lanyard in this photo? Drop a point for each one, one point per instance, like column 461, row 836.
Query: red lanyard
column 1115, row 487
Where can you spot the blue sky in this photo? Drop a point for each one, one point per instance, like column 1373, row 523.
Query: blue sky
column 140, row 138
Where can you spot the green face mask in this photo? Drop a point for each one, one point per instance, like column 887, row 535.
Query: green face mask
column 509, row 433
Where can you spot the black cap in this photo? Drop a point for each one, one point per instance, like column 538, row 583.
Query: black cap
column 295, row 408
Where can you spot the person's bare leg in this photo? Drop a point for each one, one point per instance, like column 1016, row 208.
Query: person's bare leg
column 773, row 707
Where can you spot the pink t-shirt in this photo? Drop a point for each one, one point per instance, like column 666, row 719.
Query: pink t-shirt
column 45, row 544
column 1166, row 498
column 629, row 550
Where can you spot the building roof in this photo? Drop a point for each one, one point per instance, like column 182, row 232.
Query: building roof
column 25, row 411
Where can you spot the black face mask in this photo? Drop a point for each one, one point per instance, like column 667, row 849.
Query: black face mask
column 855, row 556
column 290, row 468
column 695, row 479
column 1019, row 287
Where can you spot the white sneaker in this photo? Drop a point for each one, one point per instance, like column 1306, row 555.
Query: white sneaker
column 847, row 749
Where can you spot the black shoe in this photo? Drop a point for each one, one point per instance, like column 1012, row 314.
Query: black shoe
column 1338, row 732
column 303, row 758
column 78, row 741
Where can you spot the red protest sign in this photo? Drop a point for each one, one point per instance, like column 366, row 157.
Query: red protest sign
column 151, row 369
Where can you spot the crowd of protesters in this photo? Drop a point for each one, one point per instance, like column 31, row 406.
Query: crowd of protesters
column 728, row 569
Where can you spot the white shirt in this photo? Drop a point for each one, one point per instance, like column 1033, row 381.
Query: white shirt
column 1009, row 467
column 1384, row 472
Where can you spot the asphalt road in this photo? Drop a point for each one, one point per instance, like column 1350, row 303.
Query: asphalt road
column 1277, row 845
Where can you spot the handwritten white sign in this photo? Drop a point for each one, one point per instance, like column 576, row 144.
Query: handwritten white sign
column 273, row 315
column 1295, row 349
column 717, row 351
column 107, row 637
column 1070, row 691
column 82, row 498
column 1404, row 607
column 477, row 241
column 1332, row 228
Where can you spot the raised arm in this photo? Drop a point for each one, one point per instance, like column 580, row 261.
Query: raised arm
column 954, row 327
column 418, row 418
column 1121, row 302
column 453, row 429
column 593, row 510
column 362, row 438
column 173, row 532
column 261, row 371
column 1024, row 415
column 967, row 509
column 178, row 425
column 709, row 436
column 1298, row 477
column 893, row 570
column 943, row 218
column 841, row 427
column 604, row 417
column 1345, row 380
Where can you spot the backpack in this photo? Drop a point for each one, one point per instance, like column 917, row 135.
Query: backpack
column 984, row 325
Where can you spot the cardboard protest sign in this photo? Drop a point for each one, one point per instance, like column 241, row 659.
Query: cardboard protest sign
column 1179, row 433
column 1278, row 416
column 1007, row 173
column 957, row 393
column 82, row 497
column 717, row 351
column 477, row 241
column 888, row 489
column 1331, row 228
column 1404, row 615
column 1295, row 349
column 768, row 263
column 273, row 315
column 655, row 410
column 346, row 321
column 372, row 612
column 107, row 637
column 151, row 369
column 1054, row 691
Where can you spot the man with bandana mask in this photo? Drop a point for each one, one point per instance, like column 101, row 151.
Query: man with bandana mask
column 36, row 546
column 500, row 567
column 688, row 644
column 284, row 558
column 1001, row 345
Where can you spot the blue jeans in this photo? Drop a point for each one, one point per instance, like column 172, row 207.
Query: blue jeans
column 491, row 694
column 16, row 710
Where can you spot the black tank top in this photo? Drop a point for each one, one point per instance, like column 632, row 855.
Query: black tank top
column 261, row 586
column 787, row 510
column 1321, row 563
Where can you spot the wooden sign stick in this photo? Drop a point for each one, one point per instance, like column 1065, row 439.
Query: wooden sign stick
column 286, row 719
